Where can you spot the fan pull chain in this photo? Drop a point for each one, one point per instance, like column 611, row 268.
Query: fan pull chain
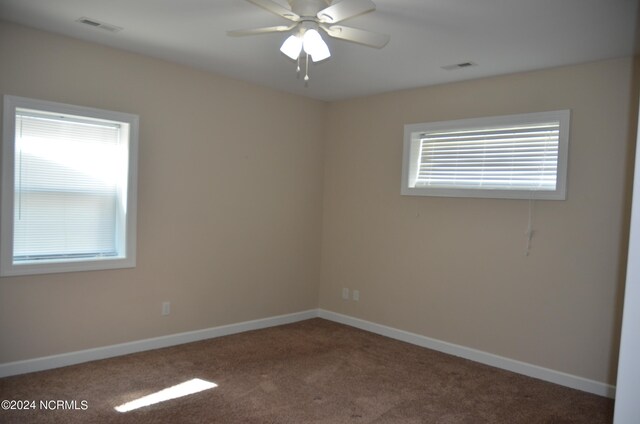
column 298, row 67
column 306, row 71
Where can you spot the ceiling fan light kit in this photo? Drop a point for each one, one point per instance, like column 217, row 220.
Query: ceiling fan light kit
column 308, row 17
column 309, row 40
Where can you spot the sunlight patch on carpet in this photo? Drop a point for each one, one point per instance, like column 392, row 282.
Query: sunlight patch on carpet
column 179, row 390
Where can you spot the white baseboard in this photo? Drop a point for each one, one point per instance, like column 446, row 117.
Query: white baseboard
column 72, row 358
column 519, row 367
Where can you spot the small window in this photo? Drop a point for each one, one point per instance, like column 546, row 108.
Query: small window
column 511, row 157
column 68, row 188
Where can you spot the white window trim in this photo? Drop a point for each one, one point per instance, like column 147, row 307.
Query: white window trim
column 411, row 156
column 7, row 267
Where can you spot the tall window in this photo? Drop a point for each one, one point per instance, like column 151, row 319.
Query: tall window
column 516, row 156
column 68, row 188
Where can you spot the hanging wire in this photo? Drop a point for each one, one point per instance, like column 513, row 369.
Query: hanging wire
column 529, row 232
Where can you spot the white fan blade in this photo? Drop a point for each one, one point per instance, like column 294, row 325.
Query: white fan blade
column 257, row 31
column 274, row 7
column 344, row 10
column 360, row 36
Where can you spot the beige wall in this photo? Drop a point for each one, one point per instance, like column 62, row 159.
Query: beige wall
column 455, row 269
column 233, row 224
column 229, row 207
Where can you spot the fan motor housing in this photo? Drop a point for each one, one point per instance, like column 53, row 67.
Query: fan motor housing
column 307, row 8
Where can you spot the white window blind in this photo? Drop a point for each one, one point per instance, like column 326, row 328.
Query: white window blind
column 68, row 173
column 69, row 188
column 517, row 156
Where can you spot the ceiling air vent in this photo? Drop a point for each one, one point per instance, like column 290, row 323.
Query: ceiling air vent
column 459, row 66
column 98, row 24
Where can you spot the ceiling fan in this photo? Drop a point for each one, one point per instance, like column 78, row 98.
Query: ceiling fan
column 308, row 16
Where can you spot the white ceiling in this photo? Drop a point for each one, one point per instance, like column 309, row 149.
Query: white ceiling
column 501, row 36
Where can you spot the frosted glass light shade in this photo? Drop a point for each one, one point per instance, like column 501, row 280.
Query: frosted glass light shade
column 315, row 46
column 292, row 47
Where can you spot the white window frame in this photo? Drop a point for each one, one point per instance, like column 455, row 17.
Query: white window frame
column 126, row 257
column 411, row 156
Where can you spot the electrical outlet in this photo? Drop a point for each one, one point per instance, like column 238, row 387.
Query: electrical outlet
column 345, row 293
column 166, row 308
column 356, row 295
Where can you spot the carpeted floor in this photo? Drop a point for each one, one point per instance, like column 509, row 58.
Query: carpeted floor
column 314, row 371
